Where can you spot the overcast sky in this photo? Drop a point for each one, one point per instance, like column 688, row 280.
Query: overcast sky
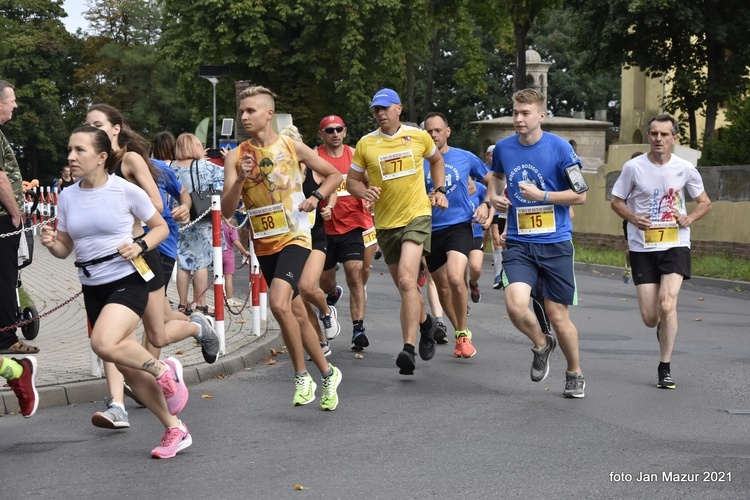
column 75, row 20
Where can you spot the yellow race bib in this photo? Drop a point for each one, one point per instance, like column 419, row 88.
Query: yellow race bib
column 370, row 237
column 661, row 235
column 395, row 165
column 536, row 220
column 268, row 221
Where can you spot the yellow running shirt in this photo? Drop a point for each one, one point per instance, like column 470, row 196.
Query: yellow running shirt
column 395, row 164
column 272, row 193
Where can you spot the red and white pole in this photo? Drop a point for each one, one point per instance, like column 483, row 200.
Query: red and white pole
column 218, row 272
column 263, row 298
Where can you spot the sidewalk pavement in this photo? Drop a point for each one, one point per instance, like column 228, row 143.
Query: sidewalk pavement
column 64, row 372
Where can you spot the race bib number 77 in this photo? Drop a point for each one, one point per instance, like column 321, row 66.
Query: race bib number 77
column 395, row 165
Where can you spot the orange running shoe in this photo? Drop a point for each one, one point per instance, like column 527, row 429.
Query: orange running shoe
column 464, row 347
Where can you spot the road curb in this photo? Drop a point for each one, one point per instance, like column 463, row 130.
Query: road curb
column 95, row 390
column 742, row 287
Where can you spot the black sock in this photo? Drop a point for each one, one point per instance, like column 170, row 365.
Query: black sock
column 664, row 366
column 425, row 327
column 409, row 348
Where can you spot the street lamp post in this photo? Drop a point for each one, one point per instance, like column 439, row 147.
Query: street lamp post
column 213, row 81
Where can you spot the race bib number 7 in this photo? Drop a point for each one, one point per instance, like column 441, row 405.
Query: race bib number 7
column 661, row 235
column 395, row 165
column 268, row 221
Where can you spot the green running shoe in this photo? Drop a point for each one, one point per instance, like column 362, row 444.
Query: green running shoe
column 329, row 400
column 304, row 390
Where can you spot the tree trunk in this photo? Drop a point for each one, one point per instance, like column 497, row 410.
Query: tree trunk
column 429, row 84
column 714, row 53
column 412, row 113
column 693, row 125
column 519, row 35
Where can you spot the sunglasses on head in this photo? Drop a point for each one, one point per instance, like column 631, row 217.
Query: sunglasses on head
column 331, row 130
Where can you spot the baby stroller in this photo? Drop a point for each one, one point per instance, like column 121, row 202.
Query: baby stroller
column 30, row 330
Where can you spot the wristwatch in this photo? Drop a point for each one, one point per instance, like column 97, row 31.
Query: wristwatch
column 440, row 189
column 317, row 195
column 143, row 245
column 485, row 202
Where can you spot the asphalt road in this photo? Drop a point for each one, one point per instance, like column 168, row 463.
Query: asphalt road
column 472, row 429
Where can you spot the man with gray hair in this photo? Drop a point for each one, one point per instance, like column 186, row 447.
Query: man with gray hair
column 20, row 374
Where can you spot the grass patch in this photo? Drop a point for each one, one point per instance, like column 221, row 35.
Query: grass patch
column 721, row 266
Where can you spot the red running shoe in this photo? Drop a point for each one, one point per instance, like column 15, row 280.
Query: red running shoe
column 24, row 386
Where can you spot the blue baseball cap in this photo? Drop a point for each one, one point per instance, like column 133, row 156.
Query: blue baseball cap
column 385, row 97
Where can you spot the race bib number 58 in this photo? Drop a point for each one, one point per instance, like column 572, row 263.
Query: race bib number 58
column 268, row 221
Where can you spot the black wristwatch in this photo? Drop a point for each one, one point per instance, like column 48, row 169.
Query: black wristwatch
column 317, row 195
column 143, row 245
column 485, row 202
column 440, row 189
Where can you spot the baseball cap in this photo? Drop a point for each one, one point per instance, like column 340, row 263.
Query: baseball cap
column 491, row 148
column 331, row 120
column 385, row 97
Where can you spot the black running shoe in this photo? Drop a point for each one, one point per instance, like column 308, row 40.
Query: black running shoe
column 441, row 333
column 359, row 340
column 665, row 380
column 406, row 363
column 427, row 341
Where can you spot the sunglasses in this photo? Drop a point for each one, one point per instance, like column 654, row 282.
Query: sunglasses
column 331, row 130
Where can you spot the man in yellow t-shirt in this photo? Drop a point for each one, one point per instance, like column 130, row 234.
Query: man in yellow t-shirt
column 393, row 158
column 266, row 172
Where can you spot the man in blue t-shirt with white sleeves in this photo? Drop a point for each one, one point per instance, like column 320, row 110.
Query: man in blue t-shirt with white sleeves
column 543, row 176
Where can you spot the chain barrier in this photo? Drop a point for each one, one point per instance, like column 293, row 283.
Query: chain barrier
column 194, row 222
column 45, row 314
column 237, row 227
column 30, row 228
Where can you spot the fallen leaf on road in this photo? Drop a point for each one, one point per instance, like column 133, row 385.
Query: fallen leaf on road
column 221, row 375
column 275, row 352
column 359, row 356
column 271, row 362
column 248, row 369
column 266, row 357
column 698, row 319
column 207, row 396
column 241, row 321
column 299, row 487
column 180, row 352
column 505, row 317
column 701, row 298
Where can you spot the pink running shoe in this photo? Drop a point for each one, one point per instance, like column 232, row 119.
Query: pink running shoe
column 173, row 387
column 174, row 440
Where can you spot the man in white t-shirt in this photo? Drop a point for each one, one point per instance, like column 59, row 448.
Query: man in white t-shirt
column 655, row 187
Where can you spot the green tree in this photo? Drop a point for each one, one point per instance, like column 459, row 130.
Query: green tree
column 732, row 145
column 523, row 13
column 37, row 57
column 572, row 86
column 122, row 64
column 705, row 44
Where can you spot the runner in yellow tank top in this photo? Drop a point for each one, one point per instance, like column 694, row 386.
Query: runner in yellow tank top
column 265, row 171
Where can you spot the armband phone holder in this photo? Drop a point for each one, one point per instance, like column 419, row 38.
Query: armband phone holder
column 575, row 179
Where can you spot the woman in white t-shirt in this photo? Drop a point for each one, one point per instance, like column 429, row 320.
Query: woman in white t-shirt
column 95, row 219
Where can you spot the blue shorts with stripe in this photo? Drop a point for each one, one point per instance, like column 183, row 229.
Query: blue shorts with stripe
column 552, row 263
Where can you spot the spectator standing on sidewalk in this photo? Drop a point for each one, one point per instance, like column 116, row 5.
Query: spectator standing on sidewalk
column 231, row 243
column 11, row 208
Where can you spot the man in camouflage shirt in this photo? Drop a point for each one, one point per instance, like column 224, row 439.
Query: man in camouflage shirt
column 11, row 207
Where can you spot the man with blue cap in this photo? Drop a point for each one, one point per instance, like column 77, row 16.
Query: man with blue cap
column 388, row 170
